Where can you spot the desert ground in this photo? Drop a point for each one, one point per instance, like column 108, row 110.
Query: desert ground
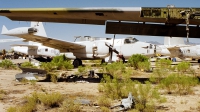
column 15, row 91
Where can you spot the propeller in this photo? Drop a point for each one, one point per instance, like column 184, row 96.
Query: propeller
column 111, row 50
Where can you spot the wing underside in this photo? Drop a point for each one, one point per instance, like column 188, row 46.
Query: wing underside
column 63, row 46
column 102, row 14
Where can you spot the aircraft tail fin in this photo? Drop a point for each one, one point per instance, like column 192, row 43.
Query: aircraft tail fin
column 174, row 41
column 4, row 29
column 40, row 27
column 41, row 32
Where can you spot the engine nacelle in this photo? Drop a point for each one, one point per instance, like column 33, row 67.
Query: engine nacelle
column 101, row 48
column 32, row 30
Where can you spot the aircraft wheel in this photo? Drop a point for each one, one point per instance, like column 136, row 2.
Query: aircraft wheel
column 198, row 60
column 103, row 61
column 77, row 62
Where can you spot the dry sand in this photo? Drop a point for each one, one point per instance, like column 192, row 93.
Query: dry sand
column 16, row 91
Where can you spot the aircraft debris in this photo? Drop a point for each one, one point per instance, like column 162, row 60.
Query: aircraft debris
column 29, row 73
column 83, row 101
column 126, row 103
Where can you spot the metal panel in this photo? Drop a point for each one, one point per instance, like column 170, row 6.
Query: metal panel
column 151, row 29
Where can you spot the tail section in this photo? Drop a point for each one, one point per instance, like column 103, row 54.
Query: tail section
column 40, row 28
column 41, row 32
column 4, row 29
column 174, row 41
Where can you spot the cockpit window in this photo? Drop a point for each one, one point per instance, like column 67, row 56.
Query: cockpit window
column 130, row 40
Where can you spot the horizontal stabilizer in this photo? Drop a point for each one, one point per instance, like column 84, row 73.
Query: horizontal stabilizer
column 10, row 40
column 4, row 29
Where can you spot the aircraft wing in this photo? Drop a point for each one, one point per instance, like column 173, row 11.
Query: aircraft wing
column 118, row 20
column 63, row 46
column 173, row 48
column 100, row 15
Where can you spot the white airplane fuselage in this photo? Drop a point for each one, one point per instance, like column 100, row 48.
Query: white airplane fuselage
column 83, row 50
column 189, row 51
column 40, row 51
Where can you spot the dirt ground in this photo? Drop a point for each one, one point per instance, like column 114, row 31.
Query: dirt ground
column 17, row 90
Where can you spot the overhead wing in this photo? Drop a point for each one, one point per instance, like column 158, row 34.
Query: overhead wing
column 102, row 14
column 63, row 46
column 71, row 15
column 119, row 20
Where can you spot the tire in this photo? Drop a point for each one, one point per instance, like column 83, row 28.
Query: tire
column 77, row 62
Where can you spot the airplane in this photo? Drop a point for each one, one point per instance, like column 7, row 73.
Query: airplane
column 82, row 50
column 34, row 48
column 176, row 47
column 155, row 21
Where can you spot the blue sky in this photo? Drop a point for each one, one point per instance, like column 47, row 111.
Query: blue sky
column 67, row 32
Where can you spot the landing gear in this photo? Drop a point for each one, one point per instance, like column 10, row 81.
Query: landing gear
column 103, row 61
column 77, row 62
column 198, row 60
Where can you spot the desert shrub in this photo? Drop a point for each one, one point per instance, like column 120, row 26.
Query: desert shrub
column 157, row 75
column 24, row 81
column 192, row 72
column 49, row 67
column 67, row 65
column 82, row 70
column 53, row 77
column 163, row 64
column 105, row 109
column 51, row 99
column 28, row 65
column 58, row 63
column 103, row 101
column 144, row 65
column 3, row 92
column 135, row 59
column 183, row 67
column 12, row 109
column 113, row 86
column 33, row 82
column 179, row 84
column 29, row 106
column 145, row 96
column 7, row 64
column 59, row 58
column 70, row 106
column 115, row 69
column 163, row 68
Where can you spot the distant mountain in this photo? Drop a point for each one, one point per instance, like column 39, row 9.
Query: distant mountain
column 154, row 42
column 191, row 43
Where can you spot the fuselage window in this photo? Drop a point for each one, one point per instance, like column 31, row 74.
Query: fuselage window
column 130, row 40
column 188, row 51
column 46, row 50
